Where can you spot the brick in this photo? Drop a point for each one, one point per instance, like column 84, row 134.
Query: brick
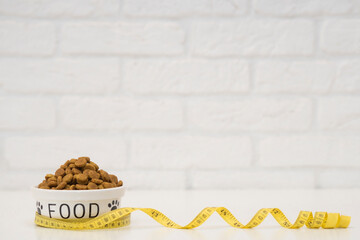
column 253, row 178
column 60, row 75
column 26, row 113
column 27, row 38
column 178, row 8
column 252, row 37
column 181, row 152
column 292, row 8
column 302, row 151
column 186, row 76
column 348, row 77
column 120, row 113
column 49, row 8
column 149, row 38
column 140, row 179
column 339, row 113
column 50, row 152
column 250, row 114
column 342, row 178
column 307, row 77
column 340, row 37
column 294, row 76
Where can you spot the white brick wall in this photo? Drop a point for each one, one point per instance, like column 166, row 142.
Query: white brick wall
column 180, row 152
column 186, row 76
column 140, row 38
column 60, row 75
column 26, row 113
column 120, row 113
column 340, row 37
column 22, row 38
column 45, row 152
column 291, row 8
column 348, row 78
column 252, row 38
column 54, row 9
column 339, row 113
column 250, row 114
column 182, row 94
column 316, row 77
column 295, row 77
column 309, row 151
column 259, row 178
column 181, row 8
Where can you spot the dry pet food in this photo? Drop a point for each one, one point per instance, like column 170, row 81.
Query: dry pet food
column 80, row 174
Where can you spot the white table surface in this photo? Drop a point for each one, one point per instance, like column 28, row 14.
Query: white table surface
column 18, row 208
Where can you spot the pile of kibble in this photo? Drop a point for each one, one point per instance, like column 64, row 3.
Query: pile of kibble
column 80, row 174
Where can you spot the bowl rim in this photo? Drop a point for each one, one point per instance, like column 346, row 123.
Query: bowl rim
column 77, row 195
column 77, row 191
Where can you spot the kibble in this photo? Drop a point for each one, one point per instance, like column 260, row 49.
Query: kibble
column 48, row 176
column 97, row 181
column 120, row 183
column 93, row 175
column 59, row 180
column 92, row 185
column 95, row 165
column 52, row 183
column 90, row 167
column 68, row 178
column 104, row 175
column 76, row 171
column 60, row 186
column 52, row 179
column 82, row 179
column 68, row 170
column 80, row 174
column 60, row 172
column 80, row 187
column 81, row 162
column 86, row 158
column 113, row 178
column 107, row 185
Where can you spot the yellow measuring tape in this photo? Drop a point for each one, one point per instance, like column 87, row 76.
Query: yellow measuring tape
column 121, row 218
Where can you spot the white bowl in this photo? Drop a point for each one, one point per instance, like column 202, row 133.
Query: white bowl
column 77, row 204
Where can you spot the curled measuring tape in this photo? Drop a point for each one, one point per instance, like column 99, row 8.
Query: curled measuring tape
column 121, row 218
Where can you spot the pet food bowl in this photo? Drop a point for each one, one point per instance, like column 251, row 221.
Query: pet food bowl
column 77, row 204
